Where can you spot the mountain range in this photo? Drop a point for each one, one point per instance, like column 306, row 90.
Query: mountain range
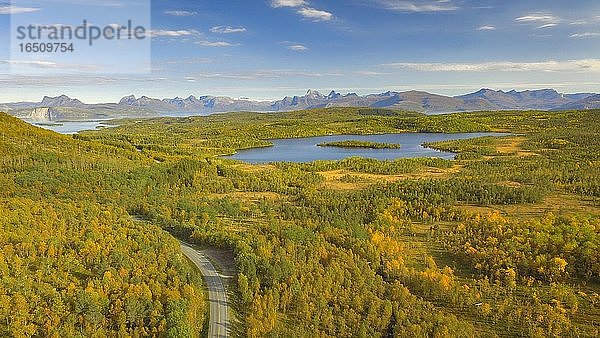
column 64, row 107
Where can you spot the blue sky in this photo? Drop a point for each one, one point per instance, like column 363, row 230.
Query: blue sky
column 266, row 49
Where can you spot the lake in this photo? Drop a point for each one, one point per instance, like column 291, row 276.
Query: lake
column 74, row 127
column 70, row 127
column 306, row 149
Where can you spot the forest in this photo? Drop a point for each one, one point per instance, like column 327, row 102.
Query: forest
column 500, row 242
column 73, row 262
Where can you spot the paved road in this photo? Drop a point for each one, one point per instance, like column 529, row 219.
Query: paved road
column 217, row 296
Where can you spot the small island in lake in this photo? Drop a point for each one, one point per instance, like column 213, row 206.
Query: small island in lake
column 360, row 144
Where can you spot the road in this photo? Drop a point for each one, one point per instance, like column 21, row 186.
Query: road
column 217, row 295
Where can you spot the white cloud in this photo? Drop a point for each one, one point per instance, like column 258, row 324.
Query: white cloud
column 264, row 74
column 37, row 64
column 539, row 18
column 298, row 48
column 548, row 25
column 192, row 35
column 419, row 5
column 188, row 61
column 172, row 33
column 370, row 73
column 50, row 65
column 288, row 3
column 578, row 22
column 180, row 13
column 486, row 28
column 315, row 14
column 585, row 35
column 584, row 65
column 17, row 10
column 227, row 29
column 214, row 43
column 44, row 82
column 304, row 9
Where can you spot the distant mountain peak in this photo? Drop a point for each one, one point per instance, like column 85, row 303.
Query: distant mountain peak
column 386, row 94
column 483, row 99
column 333, row 95
column 128, row 100
column 60, row 101
column 313, row 94
column 54, row 97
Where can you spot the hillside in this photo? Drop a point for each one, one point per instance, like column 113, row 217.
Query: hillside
column 591, row 102
column 73, row 261
column 476, row 246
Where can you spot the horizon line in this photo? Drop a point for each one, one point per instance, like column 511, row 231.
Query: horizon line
column 320, row 91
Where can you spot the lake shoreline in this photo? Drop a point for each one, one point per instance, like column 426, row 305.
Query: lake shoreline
column 307, row 149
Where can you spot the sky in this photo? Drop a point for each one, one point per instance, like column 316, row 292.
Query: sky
column 267, row 49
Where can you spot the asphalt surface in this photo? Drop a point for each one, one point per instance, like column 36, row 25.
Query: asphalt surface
column 217, row 295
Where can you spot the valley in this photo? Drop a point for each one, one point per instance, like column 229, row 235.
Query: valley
column 500, row 241
column 300, row 168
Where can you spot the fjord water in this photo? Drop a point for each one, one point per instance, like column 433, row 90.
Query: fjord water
column 70, row 127
column 74, row 127
column 307, row 149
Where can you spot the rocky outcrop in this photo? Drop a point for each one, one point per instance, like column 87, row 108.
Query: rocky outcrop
column 43, row 114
